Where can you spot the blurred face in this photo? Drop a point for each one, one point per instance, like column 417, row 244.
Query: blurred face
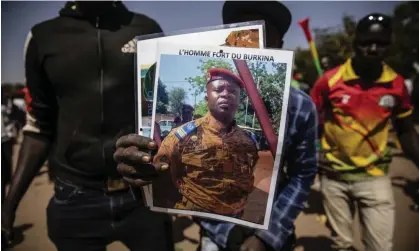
column 374, row 45
column 93, row 8
column 325, row 62
column 273, row 38
column 223, row 99
column 187, row 114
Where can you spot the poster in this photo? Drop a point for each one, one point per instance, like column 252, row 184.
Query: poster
column 247, row 34
column 224, row 156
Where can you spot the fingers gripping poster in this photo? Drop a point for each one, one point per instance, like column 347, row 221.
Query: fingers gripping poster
column 225, row 145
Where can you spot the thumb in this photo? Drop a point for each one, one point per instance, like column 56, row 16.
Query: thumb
column 161, row 167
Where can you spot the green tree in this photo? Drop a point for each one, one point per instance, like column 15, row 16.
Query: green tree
column 199, row 82
column 163, row 98
column 11, row 88
column 201, row 108
column 336, row 43
column 270, row 85
column 405, row 49
column 176, row 99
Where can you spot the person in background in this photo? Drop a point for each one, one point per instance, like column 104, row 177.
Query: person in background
column 177, row 121
column 80, row 75
column 356, row 102
column 300, row 152
column 187, row 113
column 325, row 63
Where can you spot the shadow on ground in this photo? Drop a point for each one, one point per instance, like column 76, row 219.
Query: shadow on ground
column 18, row 236
column 315, row 243
column 179, row 226
column 322, row 243
column 410, row 189
column 314, row 203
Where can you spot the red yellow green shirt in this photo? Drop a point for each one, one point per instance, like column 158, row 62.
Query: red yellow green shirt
column 356, row 118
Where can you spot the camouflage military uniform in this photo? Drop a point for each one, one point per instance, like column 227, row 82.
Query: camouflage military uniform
column 245, row 38
column 213, row 169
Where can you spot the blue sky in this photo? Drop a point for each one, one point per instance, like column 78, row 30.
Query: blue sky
column 18, row 17
column 174, row 77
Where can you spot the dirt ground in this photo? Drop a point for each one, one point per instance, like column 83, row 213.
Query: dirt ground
column 31, row 232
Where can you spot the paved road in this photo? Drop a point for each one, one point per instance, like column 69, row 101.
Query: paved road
column 312, row 235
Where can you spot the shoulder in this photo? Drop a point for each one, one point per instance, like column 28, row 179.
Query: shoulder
column 146, row 23
column 187, row 129
column 44, row 27
column 300, row 106
column 400, row 81
column 299, row 101
column 332, row 72
column 40, row 32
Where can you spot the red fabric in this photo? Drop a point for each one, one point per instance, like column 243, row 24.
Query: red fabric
column 28, row 99
column 220, row 73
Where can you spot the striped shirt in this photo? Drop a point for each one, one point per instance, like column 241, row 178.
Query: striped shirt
column 300, row 157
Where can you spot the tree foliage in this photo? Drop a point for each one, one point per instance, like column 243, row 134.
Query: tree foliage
column 199, row 82
column 11, row 88
column 176, row 99
column 269, row 82
column 335, row 42
column 405, row 50
column 163, row 99
column 201, row 108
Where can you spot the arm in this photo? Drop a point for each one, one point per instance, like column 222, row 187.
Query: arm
column 319, row 95
column 38, row 131
column 302, row 166
column 409, row 138
column 403, row 123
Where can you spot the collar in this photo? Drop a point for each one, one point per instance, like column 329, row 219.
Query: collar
column 348, row 73
column 216, row 126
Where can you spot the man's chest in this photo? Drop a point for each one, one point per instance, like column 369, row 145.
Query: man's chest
column 375, row 102
column 210, row 150
column 78, row 58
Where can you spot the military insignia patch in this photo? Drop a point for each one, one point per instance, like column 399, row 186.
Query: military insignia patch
column 387, row 101
column 185, row 130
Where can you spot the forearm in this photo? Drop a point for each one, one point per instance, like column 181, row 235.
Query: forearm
column 409, row 141
column 32, row 155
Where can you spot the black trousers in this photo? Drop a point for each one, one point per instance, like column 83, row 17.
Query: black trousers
column 81, row 219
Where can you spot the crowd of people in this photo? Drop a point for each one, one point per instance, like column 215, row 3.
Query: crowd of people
column 89, row 139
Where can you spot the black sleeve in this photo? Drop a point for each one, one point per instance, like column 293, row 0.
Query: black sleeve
column 40, row 98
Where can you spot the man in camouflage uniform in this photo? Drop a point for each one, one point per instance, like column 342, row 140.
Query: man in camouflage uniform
column 211, row 159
